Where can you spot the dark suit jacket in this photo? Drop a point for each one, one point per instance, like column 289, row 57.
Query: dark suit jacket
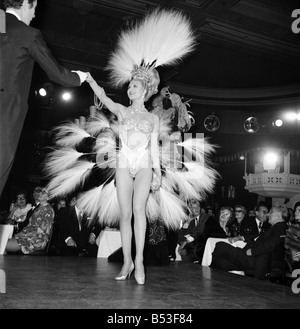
column 268, row 249
column 28, row 215
column 249, row 229
column 20, row 47
column 195, row 232
column 68, row 226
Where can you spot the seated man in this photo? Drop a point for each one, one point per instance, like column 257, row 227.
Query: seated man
column 252, row 227
column 76, row 236
column 292, row 240
column 189, row 236
column 254, row 258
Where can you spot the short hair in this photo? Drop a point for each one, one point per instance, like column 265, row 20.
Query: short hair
column 230, row 209
column 244, row 210
column 261, row 205
column 17, row 4
column 297, row 204
column 283, row 211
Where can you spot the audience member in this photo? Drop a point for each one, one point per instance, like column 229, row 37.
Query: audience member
column 77, row 237
column 37, row 233
column 36, row 201
column 219, row 227
column 251, row 227
column 18, row 210
column 240, row 213
column 259, row 256
column 190, row 235
column 292, row 240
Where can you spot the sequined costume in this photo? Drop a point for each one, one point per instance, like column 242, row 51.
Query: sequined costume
column 85, row 158
column 135, row 134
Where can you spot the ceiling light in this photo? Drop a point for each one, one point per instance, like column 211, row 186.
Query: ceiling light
column 212, row 123
column 66, row 96
column 270, row 161
column 43, row 92
column 251, row 125
column 278, row 123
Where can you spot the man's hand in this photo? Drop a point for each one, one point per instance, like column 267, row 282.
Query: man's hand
column 249, row 252
column 236, row 238
column 92, row 238
column 71, row 243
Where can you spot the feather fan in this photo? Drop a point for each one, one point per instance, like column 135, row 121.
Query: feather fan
column 161, row 38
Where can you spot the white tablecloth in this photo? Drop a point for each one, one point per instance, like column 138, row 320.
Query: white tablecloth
column 108, row 242
column 210, row 246
column 6, row 232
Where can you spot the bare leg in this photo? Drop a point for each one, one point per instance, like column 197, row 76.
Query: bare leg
column 124, row 184
column 12, row 245
column 141, row 192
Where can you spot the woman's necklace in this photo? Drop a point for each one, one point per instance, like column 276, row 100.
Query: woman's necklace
column 137, row 109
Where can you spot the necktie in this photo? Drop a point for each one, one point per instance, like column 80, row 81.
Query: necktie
column 260, row 225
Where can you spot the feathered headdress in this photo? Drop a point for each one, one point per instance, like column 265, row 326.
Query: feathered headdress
column 161, row 38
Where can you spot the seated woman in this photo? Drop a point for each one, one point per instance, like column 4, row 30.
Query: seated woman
column 220, row 227
column 240, row 215
column 292, row 240
column 36, row 234
column 18, row 209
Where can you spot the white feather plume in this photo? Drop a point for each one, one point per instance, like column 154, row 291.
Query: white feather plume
column 185, row 188
column 199, row 148
column 69, row 134
column 152, row 208
column 164, row 36
column 172, row 209
column 60, row 160
column 201, row 177
column 90, row 201
column 109, row 211
column 66, row 181
column 96, row 124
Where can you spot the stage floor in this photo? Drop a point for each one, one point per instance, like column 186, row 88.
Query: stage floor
column 39, row 282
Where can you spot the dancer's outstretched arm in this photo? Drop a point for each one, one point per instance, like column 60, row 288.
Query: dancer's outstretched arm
column 113, row 107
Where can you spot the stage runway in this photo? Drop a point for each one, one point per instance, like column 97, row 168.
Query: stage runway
column 53, row 282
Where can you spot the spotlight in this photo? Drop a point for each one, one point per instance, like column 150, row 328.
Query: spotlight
column 66, row 96
column 277, row 123
column 212, row 123
column 270, row 161
column 251, row 125
column 43, row 92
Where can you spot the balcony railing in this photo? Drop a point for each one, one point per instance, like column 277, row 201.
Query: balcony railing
column 271, row 184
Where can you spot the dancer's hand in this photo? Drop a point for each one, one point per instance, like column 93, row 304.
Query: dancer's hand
column 89, row 77
column 156, row 182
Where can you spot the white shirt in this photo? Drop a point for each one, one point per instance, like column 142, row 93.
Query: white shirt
column 11, row 11
column 258, row 223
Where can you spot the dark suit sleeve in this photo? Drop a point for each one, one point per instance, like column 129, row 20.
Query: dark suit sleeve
column 22, row 225
column 62, row 222
column 43, row 56
column 267, row 242
column 96, row 229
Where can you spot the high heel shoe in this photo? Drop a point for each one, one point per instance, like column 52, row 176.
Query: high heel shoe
column 140, row 281
column 127, row 275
